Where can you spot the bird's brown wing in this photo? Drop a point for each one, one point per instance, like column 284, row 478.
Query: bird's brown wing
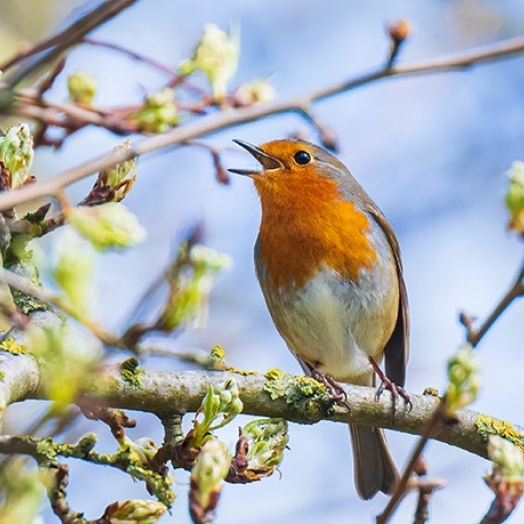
column 396, row 350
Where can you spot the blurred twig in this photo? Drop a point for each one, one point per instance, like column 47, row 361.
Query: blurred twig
column 425, row 487
column 52, row 47
column 507, row 497
column 18, row 282
column 429, row 430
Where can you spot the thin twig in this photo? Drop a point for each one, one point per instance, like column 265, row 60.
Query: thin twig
column 24, row 286
column 400, row 490
column 426, row 487
column 474, row 336
column 242, row 115
column 133, row 55
column 54, row 46
column 57, row 493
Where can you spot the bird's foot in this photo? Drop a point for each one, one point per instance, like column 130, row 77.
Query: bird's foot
column 335, row 390
column 395, row 390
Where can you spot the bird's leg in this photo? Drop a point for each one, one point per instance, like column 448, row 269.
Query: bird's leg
column 336, row 391
column 386, row 383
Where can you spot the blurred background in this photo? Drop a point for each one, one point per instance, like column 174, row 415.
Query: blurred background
column 432, row 151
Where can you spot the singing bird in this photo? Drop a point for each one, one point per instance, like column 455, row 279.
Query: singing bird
column 330, row 271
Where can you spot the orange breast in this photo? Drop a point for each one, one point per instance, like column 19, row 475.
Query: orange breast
column 306, row 225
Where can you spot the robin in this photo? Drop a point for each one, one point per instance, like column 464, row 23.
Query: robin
column 330, row 270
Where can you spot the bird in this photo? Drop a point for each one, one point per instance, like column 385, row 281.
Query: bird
column 330, row 270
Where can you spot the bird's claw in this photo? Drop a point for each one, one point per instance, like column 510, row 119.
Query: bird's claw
column 335, row 390
column 395, row 390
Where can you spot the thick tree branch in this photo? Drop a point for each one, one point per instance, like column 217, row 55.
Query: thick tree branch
column 233, row 117
column 164, row 393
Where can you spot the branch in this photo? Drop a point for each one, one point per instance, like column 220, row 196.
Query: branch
column 429, row 429
column 233, row 117
column 164, row 393
column 51, row 48
column 20, row 283
column 474, row 336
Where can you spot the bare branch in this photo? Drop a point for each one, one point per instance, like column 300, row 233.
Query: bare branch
column 216, row 122
column 474, row 336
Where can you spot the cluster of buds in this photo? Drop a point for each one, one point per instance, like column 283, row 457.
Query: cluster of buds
column 115, row 182
column 507, row 477
column 219, row 407
column 254, row 92
column 268, row 438
column 134, row 512
column 16, row 157
column 107, row 226
column 259, row 451
column 187, row 300
column 158, row 113
column 82, row 87
column 507, row 457
column 463, row 375
column 67, row 358
column 515, row 197
column 207, row 475
column 216, row 56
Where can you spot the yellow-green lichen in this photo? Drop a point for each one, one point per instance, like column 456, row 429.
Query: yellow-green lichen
column 430, row 391
column 487, row 426
column 131, row 373
column 2, row 375
column 291, row 387
column 12, row 347
column 308, row 396
column 28, row 304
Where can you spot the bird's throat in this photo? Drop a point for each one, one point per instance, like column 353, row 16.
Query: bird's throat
column 309, row 226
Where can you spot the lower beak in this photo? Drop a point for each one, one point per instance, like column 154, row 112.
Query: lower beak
column 267, row 161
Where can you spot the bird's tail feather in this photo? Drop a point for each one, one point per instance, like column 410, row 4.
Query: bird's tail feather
column 374, row 467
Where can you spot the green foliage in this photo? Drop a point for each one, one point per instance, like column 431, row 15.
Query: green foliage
column 219, row 407
column 463, row 375
column 82, row 87
column 107, row 226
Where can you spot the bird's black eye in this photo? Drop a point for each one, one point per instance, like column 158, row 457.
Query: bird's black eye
column 302, row 157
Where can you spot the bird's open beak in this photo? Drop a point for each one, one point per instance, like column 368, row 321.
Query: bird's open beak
column 267, row 161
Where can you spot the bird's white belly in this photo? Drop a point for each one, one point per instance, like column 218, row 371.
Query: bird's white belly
column 334, row 325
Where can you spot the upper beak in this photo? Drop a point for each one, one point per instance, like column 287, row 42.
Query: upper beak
column 267, row 161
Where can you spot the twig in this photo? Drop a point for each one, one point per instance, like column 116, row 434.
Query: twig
column 400, row 490
column 508, row 493
column 398, row 33
column 24, row 286
column 116, row 419
column 221, row 173
column 57, row 496
column 242, row 115
column 45, row 450
column 54, row 46
column 133, row 55
column 474, row 336
column 164, row 393
column 426, row 487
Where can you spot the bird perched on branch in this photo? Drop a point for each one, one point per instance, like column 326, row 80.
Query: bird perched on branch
column 329, row 266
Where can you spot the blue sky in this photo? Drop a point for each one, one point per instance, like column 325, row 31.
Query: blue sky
column 432, row 151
